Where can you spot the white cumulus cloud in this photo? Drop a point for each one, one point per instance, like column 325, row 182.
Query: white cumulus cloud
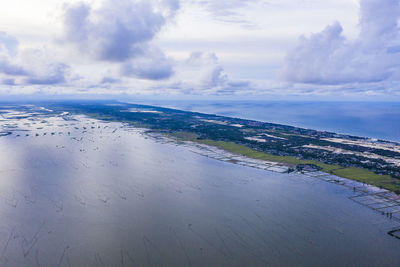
column 330, row 58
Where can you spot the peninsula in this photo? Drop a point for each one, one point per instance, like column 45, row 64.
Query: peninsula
column 371, row 161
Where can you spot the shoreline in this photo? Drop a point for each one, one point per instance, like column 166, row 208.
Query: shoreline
column 383, row 201
column 351, row 173
column 252, row 118
column 344, row 156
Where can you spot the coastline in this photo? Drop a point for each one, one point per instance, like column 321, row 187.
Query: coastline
column 255, row 110
column 117, row 172
column 350, row 157
column 383, row 201
column 354, row 174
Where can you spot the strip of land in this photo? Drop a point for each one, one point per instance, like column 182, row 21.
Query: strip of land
column 375, row 162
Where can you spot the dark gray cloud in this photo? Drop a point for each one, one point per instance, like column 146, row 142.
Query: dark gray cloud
column 119, row 30
column 8, row 82
column 237, row 84
column 227, row 10
column 329, row 57
column 108, row 80
column 9, row 68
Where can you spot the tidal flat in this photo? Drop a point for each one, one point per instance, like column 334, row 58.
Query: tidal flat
column 76, row 191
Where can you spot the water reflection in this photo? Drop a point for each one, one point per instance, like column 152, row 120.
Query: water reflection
column 104, row 195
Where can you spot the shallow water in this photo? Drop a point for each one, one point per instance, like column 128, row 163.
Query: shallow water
column 108, row 195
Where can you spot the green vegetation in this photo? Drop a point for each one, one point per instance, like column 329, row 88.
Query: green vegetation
column 368, row 177
column 185, row 136
column 248, row 152
column 360, row 175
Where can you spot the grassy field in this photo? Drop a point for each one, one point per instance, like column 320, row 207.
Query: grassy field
column 368, row 177
column 361, row 175
column 248, row 152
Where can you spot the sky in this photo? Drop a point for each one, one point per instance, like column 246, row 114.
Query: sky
column 261, row 49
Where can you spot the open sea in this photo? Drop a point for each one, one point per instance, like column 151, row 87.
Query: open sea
column 379, row 120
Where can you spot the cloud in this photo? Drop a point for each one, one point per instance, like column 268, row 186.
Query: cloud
column 28, row 66
column 8, row 44
column 119, row 30
column 108, row 80
column 10, row 68
column 239, row 84
column 202, row 73
column 330, row 58
column 8, row 52
column 55, row 73
column 148, row 68
column 228, row 10
column 152, row 65
column 41, row 67
column 8, row 82
column 379, row 19
column 203, row 70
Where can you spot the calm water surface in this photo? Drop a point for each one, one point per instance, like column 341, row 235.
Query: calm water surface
column 109, row 196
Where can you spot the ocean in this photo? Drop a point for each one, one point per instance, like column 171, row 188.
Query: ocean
column 379, row 120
